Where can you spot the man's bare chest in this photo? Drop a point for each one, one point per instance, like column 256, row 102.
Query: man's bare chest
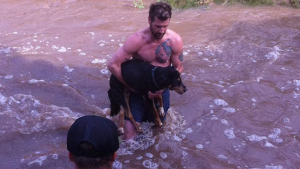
column 155, row 52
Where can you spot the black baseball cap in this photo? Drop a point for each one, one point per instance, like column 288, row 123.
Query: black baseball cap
column 101, row 132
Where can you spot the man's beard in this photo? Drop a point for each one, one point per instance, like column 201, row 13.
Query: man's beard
column 157, row 35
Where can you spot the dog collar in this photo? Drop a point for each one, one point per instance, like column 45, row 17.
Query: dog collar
column 153, row 78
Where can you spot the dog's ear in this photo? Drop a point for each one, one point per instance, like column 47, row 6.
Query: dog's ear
column 173, row 72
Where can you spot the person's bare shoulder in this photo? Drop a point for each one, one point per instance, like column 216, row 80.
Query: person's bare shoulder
column 175, row 36
column 135, row 41
column 177, row 42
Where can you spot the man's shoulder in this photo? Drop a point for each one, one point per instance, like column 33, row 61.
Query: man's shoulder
column 138, row 37
column 173, row 35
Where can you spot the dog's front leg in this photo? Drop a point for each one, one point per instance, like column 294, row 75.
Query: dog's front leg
column 121, row 121
column 160, row 106
column 152, row 107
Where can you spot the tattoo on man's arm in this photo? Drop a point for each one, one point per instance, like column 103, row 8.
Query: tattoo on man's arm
column 181, row 57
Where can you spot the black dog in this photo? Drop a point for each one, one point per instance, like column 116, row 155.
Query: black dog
column 142, row 77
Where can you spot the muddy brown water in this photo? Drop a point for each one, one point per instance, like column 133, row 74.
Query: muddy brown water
column 241, row 66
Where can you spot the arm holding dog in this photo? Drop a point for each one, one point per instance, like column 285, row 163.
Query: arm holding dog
column 124, row 53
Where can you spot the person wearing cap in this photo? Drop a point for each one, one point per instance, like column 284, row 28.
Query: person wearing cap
column 92, row 142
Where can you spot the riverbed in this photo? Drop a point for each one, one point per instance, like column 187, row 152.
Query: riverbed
column 241, row 67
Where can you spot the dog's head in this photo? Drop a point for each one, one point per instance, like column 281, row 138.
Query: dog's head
column 175, row 81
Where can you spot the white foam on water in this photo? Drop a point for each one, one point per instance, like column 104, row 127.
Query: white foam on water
column 229, row 109
column 172, row 129
column 8, row 77
column 38, row 160
column 31, row 81
column 222, row 157
column 104, row 71
column 117, row 165
column 275, row 135
column 92, row 33
column 62, row 49
column 99, row 61
column 55, row 47
column 296, row 82
column 54, row 156
column 149, row 155
column 139, row 142
column 214, row 117
column 163, row 155
column 150, row 164
column 199, row 146
column 34, row 116
column 199, row 124
column 267, row 144
column 295, row 95
column 3, row 99
column 220, row 102
column 225, row 122
column 273, row 55
column 69, row 69
column 273, row 167
column 5, row 50
column 176, row 138
column 286, row 120
column 139, row 157
column 255, row 137
column 188, row 130
column 229, row 133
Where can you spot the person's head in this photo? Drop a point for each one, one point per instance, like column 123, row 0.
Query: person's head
column 159, row 16
column 92, row 142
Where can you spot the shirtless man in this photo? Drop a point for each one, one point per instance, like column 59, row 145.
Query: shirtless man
column 156, row 45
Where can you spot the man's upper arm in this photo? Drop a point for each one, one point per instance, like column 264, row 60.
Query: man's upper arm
column 177, row 55
column 125, row 52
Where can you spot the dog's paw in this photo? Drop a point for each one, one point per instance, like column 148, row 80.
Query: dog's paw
column 158, row 123
column 139, row 130
column 121, row 131
column 161, row 112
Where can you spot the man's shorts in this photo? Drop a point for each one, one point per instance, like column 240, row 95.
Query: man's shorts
column 139, row 110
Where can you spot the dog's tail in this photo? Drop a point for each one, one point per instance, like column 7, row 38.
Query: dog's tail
column 116, row 100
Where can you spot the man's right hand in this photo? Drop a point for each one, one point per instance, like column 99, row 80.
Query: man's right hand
column 155, row 95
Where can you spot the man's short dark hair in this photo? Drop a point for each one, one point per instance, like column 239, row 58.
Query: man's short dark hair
column 91, row 163
column 161, row 10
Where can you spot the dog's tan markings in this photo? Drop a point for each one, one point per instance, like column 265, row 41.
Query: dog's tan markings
column 154, row 111
column 160, row 106
column 121, row 122
column 128, row 111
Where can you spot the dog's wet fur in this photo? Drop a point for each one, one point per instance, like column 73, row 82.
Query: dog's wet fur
column 140, row 77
